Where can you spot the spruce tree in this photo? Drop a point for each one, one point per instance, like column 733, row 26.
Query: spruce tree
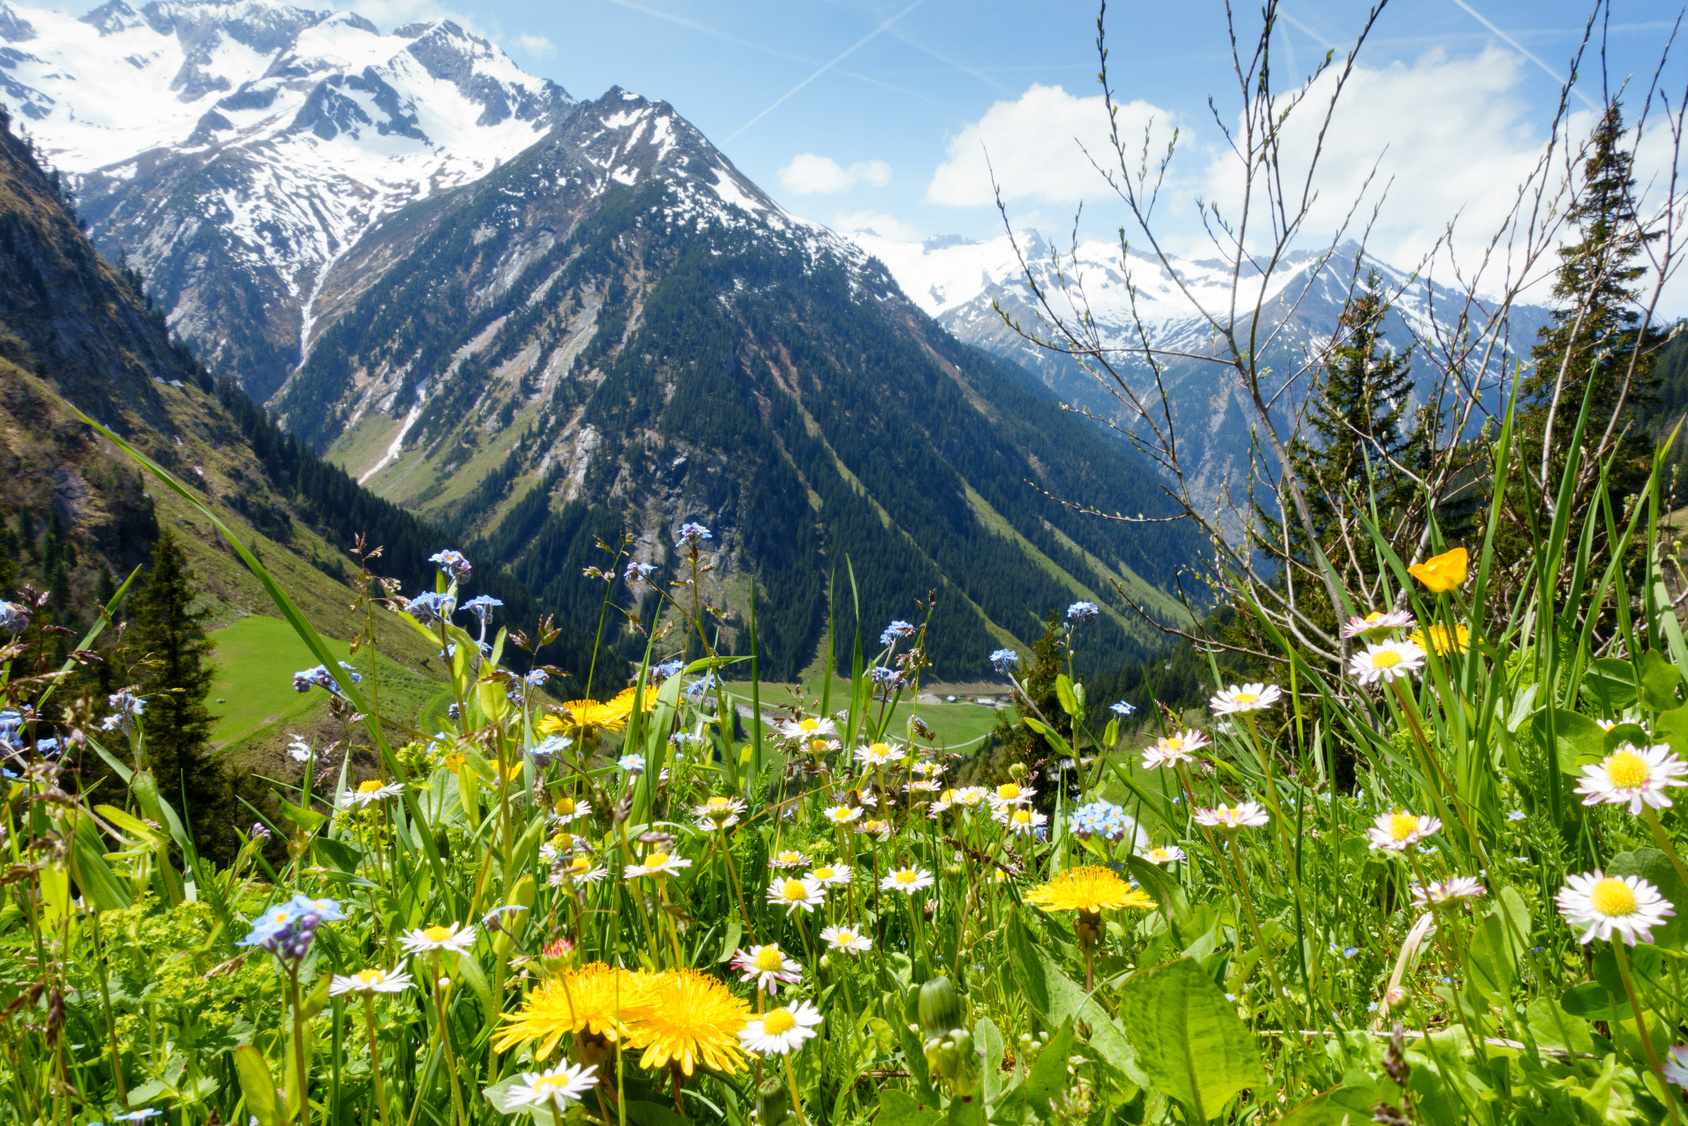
column 169, row 657
column 1595, row 337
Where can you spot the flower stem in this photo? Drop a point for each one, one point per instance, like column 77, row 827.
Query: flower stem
column 1622, row 957
column 1651, row 816
column 302, row 1114
column 796, row 1099
column 375, row 1056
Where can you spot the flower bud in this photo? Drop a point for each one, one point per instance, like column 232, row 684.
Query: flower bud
column 1017, row 771
column 940, row 1008
column 773, row 1104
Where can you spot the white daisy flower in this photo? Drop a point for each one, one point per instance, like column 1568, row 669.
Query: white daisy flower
column 842, row 814
column 566, row 810
column 929, row 769
column 848, row 939
column 1179, row 747
column 878, row 755
column 1244, row 815
column 788, row 858
column 924, row 786
column 557, row 1087
column 780, row 1031
column 1447, row 891
column 580, row 871
column 820, row 747
column 1633, row 776
column 969, row 796
column 720, row 812
column 657, row 863
column 424, row 940
column 880, row 829
column 830, row 875
column 1394, row 832
column 767, row 966
column 807, row 727
column 907, row 880
column 1378, row 621
column 369, row 981
column 1246, row 698
column 1386, row 660
column 373, row 791
column 1626, row 906
column 796, row 894
column 1020, row 821
column 1167, row 854
column 1010, row 793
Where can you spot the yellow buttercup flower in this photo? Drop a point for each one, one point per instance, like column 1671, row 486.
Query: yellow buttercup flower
column 1437, row 639
column 1442, row 572
column 596, row 999
column 689, row 1019
column 1089, row 890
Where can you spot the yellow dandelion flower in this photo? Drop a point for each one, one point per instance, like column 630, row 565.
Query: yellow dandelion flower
column 688, row 1019
column 596, row 999
column 587, row 717
column 1089, row 890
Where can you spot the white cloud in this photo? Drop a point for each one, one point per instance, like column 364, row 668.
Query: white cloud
column 1032, row 148
column 535, row 45
column 808, row 174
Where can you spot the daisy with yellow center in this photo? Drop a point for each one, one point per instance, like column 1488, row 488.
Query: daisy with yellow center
column 788, row 858
column 1442, row 572
column 1633, row 776
column 877, row 755
column 1089, row 890
column 1166, row 854
column 819, row 747
column 373, row 791
column 808, row 728
column 657, row 863
column 1625, row 908
column 831, row 875
column 1395, row 832
column 1174, row 750
column 1439, row 640
column 720, row 812
column 596, row 1000
column 842, row 814
column 1018, row 821
column 1245, row 698
column 781, row 1031
column 1377, row 622
column 969, row 796
column 1011, row 793
column 556, row 1088
column 851, row 940
column 1385, row 661
column 908, row 880
column 796, row 894
column 566, row 810
column 880, row 829
column 456, row 938
column 579, row 870
column 370, row 981
column 689, row 1019
column 1243, row 815
column 767, row 966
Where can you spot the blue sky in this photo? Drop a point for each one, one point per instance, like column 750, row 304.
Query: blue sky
column 874, row 112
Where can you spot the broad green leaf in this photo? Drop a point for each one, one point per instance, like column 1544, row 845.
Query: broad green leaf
column 988, row 1037
column 1345, row 1106
column 258, row 1086
column 899, row 1108
column 1672, row 727
column 1660, row 682
column 1068, row 1000
column 337, row 854
column 1610, row 683
column 1577, row 738
column 1026, row 965
column 94, row 876
column 1048, row 1076
column 307, row 819
column 1064, row 693
column 1189, row 1039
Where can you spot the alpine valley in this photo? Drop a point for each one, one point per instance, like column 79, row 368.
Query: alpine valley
column 543, row 323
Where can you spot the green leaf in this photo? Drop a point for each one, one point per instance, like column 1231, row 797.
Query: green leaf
column 1067, row 999
column 1345, row 1106
column 1655, row 867
column 1064, row 693
column 337, row 854
column 1025, row 964
column 899, row 1108
column 1048, row 1076
column 989, row 1039
column 1660, row 681
column 1672, row 727
column 1578, row 739
column 1610, row 683
column 968, row 1110
column 1189, row 1039
column 1110, row 734
column 307, row 819
column 93, row 875
column 258, row 1086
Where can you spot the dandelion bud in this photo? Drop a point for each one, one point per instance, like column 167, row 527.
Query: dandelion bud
column 773, row 1104
column 1017, row 770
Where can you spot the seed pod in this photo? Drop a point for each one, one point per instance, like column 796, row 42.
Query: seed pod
column 940, row 1007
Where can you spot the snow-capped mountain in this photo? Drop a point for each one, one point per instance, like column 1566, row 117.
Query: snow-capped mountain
column 235, row 149
column 962, row 283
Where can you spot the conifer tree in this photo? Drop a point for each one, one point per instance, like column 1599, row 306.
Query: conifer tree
column 1594, row 345
column 169, row 657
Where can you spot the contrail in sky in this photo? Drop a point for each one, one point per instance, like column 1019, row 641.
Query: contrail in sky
column 863, row 41
column 1522, row 50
